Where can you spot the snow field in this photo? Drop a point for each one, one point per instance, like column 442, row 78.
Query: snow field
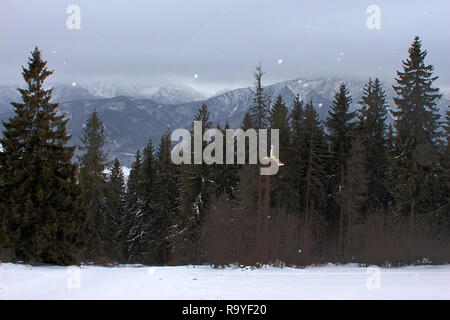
column 203, row 282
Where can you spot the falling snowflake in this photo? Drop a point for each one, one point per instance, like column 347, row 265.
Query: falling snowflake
column 74, row 84
column 280, row 61
column 54, row 52
column 341, row 54
column 195, row 76
column 339, row 59
column 299, row 81
column 320, row 104
column 305, row 84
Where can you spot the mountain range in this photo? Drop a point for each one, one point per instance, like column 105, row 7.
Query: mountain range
column 134, row 114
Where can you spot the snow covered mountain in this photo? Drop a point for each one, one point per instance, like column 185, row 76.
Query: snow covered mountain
column 232, row 105
column 132, row 118
column 165, row 94
column 8, row 94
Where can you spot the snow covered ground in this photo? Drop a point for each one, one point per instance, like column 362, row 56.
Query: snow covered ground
column 203, row 282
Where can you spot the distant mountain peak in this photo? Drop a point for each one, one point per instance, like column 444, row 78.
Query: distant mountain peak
column 164, row 94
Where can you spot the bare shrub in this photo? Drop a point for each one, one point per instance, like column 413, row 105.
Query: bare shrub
column 387, row 241
column 221, row 234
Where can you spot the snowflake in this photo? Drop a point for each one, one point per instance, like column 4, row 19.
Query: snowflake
column 280, row 61
column 195, row 76
column 74, row 84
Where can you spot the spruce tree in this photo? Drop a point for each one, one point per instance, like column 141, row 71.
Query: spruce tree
column 135, row 190
column 340, row 127
column 165, row 202
column 92, row 178
column 197, row 177
column 197, row 187
column 226, row 176
column 134, row 204
column 390, row 176
column 115, row 208
column 247, row 122
column 372, row 131
column 247, row 197
column 140, row 248
column 40, row 201
column 446, row 167
column 261, row 105
column 354, row 193
column 313, row 166
column 279, row 119
column 446, row 162
column 441, row 193
column 259, row 112
column 416, row 135
column 296, row 170
column 247, row 188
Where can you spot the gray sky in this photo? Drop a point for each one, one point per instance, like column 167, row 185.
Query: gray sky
column 220, row 41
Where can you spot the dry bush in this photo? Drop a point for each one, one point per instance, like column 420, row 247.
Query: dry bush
column 7, row 255
column 388, row 241
column 291, row 242
column 220, row 237
column 233, row 237
column 104, row 261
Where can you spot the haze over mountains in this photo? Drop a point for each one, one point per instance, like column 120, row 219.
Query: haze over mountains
column 133, row 114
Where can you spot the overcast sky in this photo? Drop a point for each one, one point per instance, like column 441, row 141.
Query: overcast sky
column 215, row 44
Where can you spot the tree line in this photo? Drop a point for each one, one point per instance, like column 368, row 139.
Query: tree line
column 353, row 188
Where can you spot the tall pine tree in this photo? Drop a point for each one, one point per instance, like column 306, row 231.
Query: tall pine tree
column 296, row 170
column 372, row 131
column 416, row 135
column 141, row 234
column 313, row 167
column 165, row 202
column 92, row 180
column 341, row 127
column 41, row 211
column 261, row 105
column 197, row 187
column 279, row 119
column 130, row 227
column 115, row 209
